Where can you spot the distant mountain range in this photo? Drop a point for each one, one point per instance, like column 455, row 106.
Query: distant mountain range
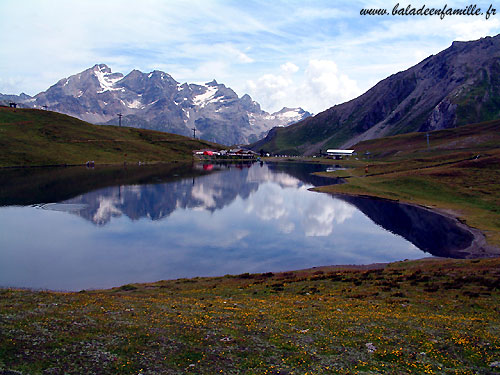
column 157, row 101
column 460, row 85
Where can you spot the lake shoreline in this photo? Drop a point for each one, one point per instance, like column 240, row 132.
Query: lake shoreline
column 479, row 248
column 97, row 165
column 301, row 272
column 469, row 199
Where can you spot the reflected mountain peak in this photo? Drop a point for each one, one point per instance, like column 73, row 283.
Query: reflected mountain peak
column 106, row 208
column 209, row 192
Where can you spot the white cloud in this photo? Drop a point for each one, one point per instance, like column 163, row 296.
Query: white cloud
column 270, row 90
column 474, row 30
column 107, row 209
column 320, row 86
column 289, row 67
column 206, row 195
column 319, row 217
column 272, row 206
column 324, row 79
column 239, row 55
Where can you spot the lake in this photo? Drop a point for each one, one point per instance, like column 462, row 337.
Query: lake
column 75, row 228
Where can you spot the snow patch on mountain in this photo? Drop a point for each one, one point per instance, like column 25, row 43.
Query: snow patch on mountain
column 105, row 81
column 293, row 113
column 203, row 99
column 136, row 104
column 288, row 116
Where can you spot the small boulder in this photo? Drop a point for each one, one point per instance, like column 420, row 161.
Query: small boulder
column 370, row 347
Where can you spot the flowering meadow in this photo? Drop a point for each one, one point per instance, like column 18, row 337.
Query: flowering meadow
column 431, row 316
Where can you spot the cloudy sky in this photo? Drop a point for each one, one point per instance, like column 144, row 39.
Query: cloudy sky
column 312, row 54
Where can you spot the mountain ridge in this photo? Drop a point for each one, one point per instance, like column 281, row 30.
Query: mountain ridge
column 459, row 85
column 156, row 101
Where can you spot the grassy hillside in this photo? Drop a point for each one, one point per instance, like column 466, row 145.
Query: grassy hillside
column 413, row 317
column 468, row 138
column 290, row 140
column 460, row 171
column 30, row 137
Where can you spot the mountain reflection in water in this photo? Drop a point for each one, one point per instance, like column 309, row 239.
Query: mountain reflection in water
column 210, row 192
column 231, row 220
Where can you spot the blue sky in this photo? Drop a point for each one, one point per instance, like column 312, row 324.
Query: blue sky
column 312, row 54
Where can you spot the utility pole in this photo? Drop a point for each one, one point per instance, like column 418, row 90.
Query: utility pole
column 119, row 119
column 427, row 140
column 194, row 132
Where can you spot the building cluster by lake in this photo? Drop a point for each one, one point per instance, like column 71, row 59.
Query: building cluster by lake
column 235, row 153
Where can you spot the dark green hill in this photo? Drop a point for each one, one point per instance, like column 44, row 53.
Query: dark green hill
column 30, row 137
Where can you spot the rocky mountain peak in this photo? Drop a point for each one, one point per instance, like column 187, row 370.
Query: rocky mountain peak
column 290, row 110
column 249, row 104
column 135, row 75
column 157, row 101
column 103, row 68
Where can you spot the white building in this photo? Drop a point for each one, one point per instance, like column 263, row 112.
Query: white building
column 338, row 154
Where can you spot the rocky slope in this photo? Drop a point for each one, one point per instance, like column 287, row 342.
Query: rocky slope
column 157, row 101
column 459, row 85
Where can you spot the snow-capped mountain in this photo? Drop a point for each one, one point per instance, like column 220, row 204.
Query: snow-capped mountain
column 157, row 101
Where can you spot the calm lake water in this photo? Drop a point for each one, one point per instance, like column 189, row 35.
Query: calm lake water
column 76, row 229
